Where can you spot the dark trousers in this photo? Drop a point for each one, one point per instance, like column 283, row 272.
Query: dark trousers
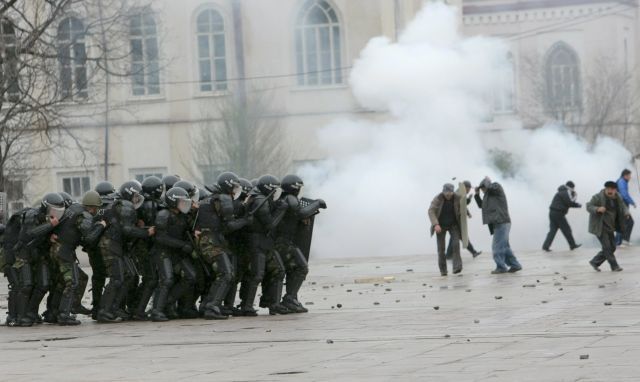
column 558, row 221
column 607, row 240
column 454, row 232
column 626, row 233
column 470, row 248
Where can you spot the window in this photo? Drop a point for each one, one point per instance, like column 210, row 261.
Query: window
column 504, row 97
column 76, row 186
column 140, row 174
column 212, row 64
column 318, row 45
column 145, row 66
column 8, row 61
column 563, row 89
column 72, row 57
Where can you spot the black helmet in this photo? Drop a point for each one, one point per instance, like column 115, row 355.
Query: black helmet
column 53, row 205
column 169, row 181
column 204, row 193
column 132, row 191
column 178, row 197
column 292, row 184
column 191, row 189
column 267, row 184
column 68, row 199
column 229, row 183
column 254, row 182
column 153, row 187
column 246, row 185
column 105, row 188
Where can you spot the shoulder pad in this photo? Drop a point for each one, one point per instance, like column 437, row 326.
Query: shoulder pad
column 292, row 201
column 226, row 205
column 30, row 216
column 162, row 219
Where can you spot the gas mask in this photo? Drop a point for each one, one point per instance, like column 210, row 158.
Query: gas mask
column 137, row 200
column 55, row 212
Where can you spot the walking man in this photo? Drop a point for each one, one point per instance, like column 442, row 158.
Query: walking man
column 495, row 214
column 444, row 214
column 624, row 237
column 607, row 214
column 564, row 199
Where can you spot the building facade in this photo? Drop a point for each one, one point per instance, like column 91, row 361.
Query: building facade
column 187, row 56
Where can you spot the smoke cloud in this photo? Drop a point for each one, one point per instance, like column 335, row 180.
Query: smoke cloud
column 434, row 84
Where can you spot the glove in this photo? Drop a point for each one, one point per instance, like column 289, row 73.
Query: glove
column 187, row 248
column 322, row 203
column 281, row 205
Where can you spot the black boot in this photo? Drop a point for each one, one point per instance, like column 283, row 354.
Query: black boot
column 65, row 318
column 106, row 313
column 159, row 304
column 214, row 313
column 22, row 303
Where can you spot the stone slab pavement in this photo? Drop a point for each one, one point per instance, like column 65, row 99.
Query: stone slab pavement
column 530, row 326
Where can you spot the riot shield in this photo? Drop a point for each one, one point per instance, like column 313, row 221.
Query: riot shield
column 304, row 232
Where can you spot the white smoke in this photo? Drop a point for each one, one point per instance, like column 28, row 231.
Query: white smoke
column 433, row 84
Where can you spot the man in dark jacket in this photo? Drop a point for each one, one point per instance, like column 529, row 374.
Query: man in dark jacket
column 495, row 214
column 607, row 214
column 564, row 199
column 444, row 214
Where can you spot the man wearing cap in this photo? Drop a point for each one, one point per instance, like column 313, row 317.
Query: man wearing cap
column 495, row 214
column 607, row 214
column 564, row 199
column 444, row 214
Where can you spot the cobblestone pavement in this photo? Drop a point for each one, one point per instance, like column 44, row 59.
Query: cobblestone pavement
column 532, row 326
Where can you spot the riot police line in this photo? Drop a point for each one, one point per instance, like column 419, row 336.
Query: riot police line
column 190, row 250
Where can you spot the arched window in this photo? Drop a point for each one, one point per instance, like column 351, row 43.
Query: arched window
column 145, row 66
column 8, row 61
column 563, row 88
column 72, row 57
column 212, row 52
column 505, row 95
column 318, row 44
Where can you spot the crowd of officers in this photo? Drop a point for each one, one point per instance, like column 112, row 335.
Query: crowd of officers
column 162, row 239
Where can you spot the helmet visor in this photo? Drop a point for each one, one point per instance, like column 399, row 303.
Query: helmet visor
column 196, row 196
column 55, row 212
column 300, row 192
column 277, row 194
column 137, row 200
column 184, row 205
column 237, row 191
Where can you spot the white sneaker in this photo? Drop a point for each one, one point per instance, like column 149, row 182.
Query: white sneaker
column 626, row 243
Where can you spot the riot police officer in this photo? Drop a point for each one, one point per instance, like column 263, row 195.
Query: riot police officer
column 187, row 301
column 76, row 226
column 172, row 253
column 295, row 262
column 121, row 220
column 32, row 258
column 239, row 255
column 265, row 264
column 152, row 189
column 108, row 195
column 215, row 220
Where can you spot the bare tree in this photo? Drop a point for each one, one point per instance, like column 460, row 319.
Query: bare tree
column 247, row 139
column 609, row 100
column 55, row 56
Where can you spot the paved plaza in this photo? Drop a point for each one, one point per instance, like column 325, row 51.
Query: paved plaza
column 558, row 320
